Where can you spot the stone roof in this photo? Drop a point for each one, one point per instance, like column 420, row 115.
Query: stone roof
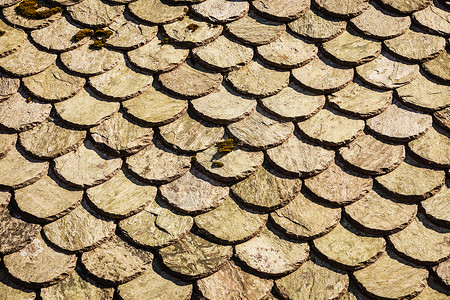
column 224, row 149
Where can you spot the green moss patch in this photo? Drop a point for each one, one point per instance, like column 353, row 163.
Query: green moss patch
column 31, row 9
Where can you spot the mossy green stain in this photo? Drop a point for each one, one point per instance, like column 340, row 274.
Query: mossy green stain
column 225, row 146
column 98, row 44
column 82, row 33
column 29, row 9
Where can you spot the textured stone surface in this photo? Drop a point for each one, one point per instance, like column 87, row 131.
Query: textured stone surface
column 406, row 6
column 157, row 164
column 73, row 111
column 130, row 34
column 194, row 257
column 392, row 279
column 27, row 170
column 270, row 254
column 443, row 117
column 412, row 181
column 281, row 10
column 372, row 156
column 47, row 199
column 8, row 86
column 116, row 262
column 231, row 282
column 12, row 39
column 433, row 148
column 65, row 232
column 435, row 207
column 443, row 272
column 387, row 72
column 313, row 280
column 422, row 242
column 437, row 67
column 11, row 15
column 304, row 219
column 434, row 18
column 39, row 265
column 379, row 214
column 156, row 226
column 155, row 108
column 230, row 223
column 7, row 142
column 194, row 193
column 19, row 114
column 50, row 140
column 5, row 197
column 120, row 136
column 11, row 290
column 95, row 13
column 266, row 190
column 121, row 196
column 156, row 11
column 15, row 233
column 86, row 166
column 339, row 9
column 221, row 11
column 322, row 76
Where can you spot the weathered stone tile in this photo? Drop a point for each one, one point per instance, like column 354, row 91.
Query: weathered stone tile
column 6, row 3
column 121, row 196
column 95, row 13
column 387, row 72
column 5, row 197
column 339, row 186
column 255, row 30
column 315, row 26
column 434, row 18
column 433, row 148
column 391, row 278
column 258, row 80
column 443, row 118
column 412, row 181
column 192, row 32
column 436, row 207
column 156, row 11
column 237, row 164
column 287, row 52
column 266, row 190
column 194, row 257
column 116, row 262
column 154, row 108
column 424, row 94
column 74, row 111
column 47, row 199
column 372, row 156
column 349, row 248
column 120, row 136
column 187, row 1
column 87, row 61
column 270, row 254
column 223, row 54
column 280, row 10
column 194, row 193
column 300, row 158
column 221, row 11
column 129, row 34
column 8, row 86
column 230, row 223
column 156, row 164
column 342, row 9
column 39, row 265
column 156, row 226
column 223, row 106
column 70, row 2
column 76, row 287
column 190, row 81
column 352, row 49
column 155, row 284
column 15, row 233
column 322, row 76
column 378, row 214
column 26, row 169
column 11, row 40
column 399, row 123
column 27, row 60
column 443, row 271
column 157, row 56
column 79, row 231
column 58, row 37
column 121, row 83
column 438, row 67
column 354, row 293
column 86, row 166
column 416, row 46
column 422, row 242
column 11, row 15
column 378, row 23
column 53, row 84
column 406, row 7
column 313, row 280
column 433, row 291
column 13, row 291
column 7, row 142
column 260, row 131
column 304, row 219
column 360, row 100
column 331, row 128
column 231, row 282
